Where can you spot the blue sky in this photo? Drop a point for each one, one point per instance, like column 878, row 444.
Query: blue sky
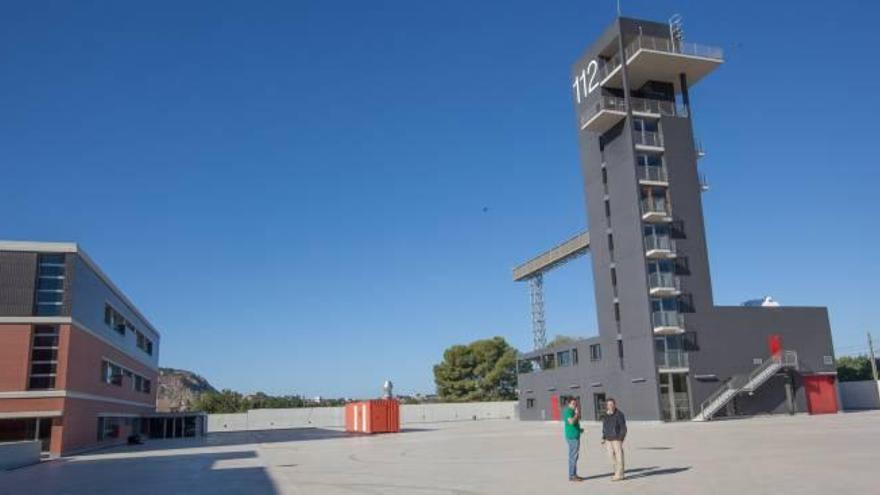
column 313, row 197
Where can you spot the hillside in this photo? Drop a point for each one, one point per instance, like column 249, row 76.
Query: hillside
column 179, row 389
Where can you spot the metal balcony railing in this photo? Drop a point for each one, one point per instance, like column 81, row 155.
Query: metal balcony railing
column 667, row 319
column 652, row 173
column 655, row 206
column 647, row 138
column 663, row 280
column 672, row 359
column 603, row 103
column 659, row 243
column 662, row 107
column 673, row 46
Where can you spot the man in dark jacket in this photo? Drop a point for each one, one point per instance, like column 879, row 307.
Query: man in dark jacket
column 613, row 435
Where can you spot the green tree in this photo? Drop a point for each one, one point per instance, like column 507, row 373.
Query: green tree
column 854, row 368
column 562, row 339
column 225, row 401
column 484, row 370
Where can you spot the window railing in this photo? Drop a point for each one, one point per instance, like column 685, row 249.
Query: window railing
column 667, row 319
column 672, row 46
column 663, row 280
column 655, row 206
column 672, row 359
column 647, row 138
column 652, row 173
column 659, row 243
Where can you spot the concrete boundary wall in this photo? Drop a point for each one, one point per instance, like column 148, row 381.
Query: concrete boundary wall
column 859, row 395
column 17, row 454
column 334, row 417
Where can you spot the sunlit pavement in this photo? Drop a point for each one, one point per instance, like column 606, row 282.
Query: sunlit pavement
column 780, row 455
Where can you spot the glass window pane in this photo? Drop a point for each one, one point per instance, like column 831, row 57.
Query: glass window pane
column 52, row 258
column 51, row 270
column 43, row 368
column 52, row 296
column 41, row 382
column 45, row 341
column 44, row 355
column 50, row 284
column 51, row 309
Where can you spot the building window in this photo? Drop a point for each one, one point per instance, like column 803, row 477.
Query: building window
column 563, row 358
column 616, row 311
column 111, row 373
column 611, row 245
column 108, row 428
column 608, row 211
column 115, row 320
column 530, row 403
column 620, row 349
column 50, row 284
column 574, row 357
column 595, row 352
column 144, row 343
column 44, row 358
column 828, row 360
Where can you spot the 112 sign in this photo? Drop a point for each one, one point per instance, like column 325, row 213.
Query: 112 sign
column 580, row 85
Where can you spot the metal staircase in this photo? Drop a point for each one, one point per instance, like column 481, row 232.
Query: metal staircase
column 738, row 384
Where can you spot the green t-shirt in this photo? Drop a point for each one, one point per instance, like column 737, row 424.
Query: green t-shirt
column 572, row 431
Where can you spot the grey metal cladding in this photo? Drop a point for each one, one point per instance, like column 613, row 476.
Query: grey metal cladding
column 18, row 275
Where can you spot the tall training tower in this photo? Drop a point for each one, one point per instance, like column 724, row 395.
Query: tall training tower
column 664, row 350
column 639, row 163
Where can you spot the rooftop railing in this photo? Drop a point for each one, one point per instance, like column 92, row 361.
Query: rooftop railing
column 673, row 46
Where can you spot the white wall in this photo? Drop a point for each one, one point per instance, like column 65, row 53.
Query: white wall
column 334, row 417
column 18, row 454
column 859, row 395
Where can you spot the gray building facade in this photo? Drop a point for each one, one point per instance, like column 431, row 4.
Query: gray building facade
column 664, row 350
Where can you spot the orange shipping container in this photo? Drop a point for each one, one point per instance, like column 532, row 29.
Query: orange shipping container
column 373, row 416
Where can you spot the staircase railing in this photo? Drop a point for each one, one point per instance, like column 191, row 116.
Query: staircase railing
column 726, row 386
column 747, row 383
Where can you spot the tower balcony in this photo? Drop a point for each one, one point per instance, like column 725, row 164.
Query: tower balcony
column 654, row 211
column 661, row 284
column 648, row 141
column 607, row 111
column 652, row 175
column 672, row 359
column 659, row 247
column 667, row 322
column 604, row 114
column 661, row 59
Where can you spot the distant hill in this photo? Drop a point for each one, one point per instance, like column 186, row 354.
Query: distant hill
column 179, row 389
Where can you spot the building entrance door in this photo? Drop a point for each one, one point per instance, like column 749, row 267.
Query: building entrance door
column 599, row 405
column 675, row 400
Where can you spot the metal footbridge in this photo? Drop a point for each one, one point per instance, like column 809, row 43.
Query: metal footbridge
column 533, row 270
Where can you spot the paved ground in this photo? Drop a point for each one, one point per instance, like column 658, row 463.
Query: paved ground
column 800, row 455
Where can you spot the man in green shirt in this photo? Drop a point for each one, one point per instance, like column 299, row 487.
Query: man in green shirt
column 571, row 418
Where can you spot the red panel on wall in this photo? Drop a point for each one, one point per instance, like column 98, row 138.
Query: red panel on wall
column 554, row 407
column 775, row 343
column 821, row 394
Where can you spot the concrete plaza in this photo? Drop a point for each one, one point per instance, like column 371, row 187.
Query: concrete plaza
column 780, row 455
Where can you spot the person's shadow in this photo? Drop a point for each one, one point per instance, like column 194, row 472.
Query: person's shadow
column 641, row 472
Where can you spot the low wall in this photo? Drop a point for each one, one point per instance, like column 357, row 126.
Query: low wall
column 859, row 395
column 17, row 454
column 334, row 417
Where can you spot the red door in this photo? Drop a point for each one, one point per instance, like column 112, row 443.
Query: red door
column 554, row 407
column 821, row 395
